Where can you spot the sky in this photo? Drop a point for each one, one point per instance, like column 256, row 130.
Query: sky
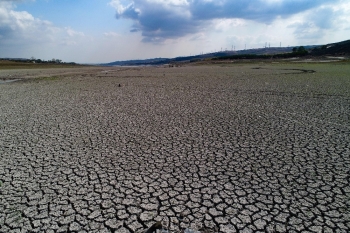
column 97, row 31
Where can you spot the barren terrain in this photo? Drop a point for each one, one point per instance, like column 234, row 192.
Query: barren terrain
column 227, row 148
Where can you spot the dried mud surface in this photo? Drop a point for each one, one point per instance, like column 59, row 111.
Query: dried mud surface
column 232, row 148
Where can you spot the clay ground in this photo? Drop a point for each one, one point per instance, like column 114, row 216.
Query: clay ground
column 231, row 148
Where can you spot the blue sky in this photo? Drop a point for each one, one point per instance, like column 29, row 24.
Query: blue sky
column 92, row 31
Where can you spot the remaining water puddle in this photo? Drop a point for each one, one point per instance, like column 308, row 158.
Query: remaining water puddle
column 8, row 81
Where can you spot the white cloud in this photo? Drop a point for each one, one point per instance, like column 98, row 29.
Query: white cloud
column 111, row 34
column 324, row 24
column 120, row 8
column 73, row 33
column 225, row 25
column 171, row 2
column 20, row 24
column 20, row 29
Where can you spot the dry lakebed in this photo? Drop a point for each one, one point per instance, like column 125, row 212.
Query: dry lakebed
column 250, row 147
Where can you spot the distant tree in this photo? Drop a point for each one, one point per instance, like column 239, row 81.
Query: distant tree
column 301, row 49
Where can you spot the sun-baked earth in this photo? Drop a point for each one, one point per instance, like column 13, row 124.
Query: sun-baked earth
column 226, row 148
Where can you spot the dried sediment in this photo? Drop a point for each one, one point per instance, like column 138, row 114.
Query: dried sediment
column 226, row 148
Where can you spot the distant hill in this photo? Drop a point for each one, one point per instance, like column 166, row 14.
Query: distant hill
column 137, row 62
column 334, row 49
column 161, row 61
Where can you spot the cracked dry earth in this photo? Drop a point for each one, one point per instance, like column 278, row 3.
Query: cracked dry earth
column 241, row 148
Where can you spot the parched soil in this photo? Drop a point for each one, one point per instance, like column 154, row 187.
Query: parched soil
column 226, row 148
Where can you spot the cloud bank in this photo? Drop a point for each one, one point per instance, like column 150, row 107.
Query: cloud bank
column 159, row 20
column 19, row 30
column 16, row 24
